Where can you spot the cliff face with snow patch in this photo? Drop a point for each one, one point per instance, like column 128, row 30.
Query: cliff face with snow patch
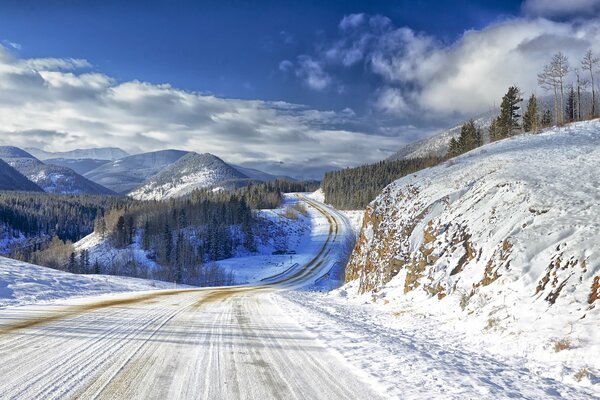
column 515, row 222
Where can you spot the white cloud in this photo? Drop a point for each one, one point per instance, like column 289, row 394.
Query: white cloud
column 51, row 104
column 312, row 73
column 464, row 78
column 562, row 8
column 352, row 21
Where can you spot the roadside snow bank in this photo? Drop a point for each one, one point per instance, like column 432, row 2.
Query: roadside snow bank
column 502, row 244
column 22, row 283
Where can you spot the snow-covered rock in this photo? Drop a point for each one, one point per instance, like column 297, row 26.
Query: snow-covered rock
column 503, row 240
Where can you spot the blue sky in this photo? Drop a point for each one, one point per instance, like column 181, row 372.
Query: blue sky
column 305, row 86
column 229, row 48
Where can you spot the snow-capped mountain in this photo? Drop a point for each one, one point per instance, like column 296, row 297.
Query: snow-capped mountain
column 11, row 179
column 502, row 240
column 437, row 145
column 128, row 173
column 99, row 153
column 51, row 178
column 192, row 171
column 80, row 165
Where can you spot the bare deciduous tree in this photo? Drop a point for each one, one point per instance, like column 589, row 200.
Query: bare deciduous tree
column 589, row 63
column 552, row 78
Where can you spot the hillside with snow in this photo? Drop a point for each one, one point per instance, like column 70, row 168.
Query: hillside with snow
column 502, row 243
column 11, row 179
column 51, row 178
column 22, row 283
column 192, row 171
column 126, row 174
column 437, row 144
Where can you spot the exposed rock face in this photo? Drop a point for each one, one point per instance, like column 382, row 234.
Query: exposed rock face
column 513, row 211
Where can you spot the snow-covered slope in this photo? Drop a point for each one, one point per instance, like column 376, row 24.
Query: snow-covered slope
column 23, row 283
column 51, row 178
column 192, row 171
column 437, row 145
column 258, row 175
column 11, row 179
column 79, row 165
column 128, row 173
column 99, row 153
column 503, row 240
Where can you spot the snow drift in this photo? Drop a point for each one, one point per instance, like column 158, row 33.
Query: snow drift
column 506, row 236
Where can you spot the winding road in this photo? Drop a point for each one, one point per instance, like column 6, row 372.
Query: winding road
column 214, row 343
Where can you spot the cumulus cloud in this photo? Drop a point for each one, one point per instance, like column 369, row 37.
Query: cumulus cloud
column 562, row 8
column 420, row 74
column 312, row 73
column 58, row 104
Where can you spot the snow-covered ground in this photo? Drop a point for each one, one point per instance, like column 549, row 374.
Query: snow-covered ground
column 414, row 356
column 499, row 250
column 301, row 236
column 22, row 283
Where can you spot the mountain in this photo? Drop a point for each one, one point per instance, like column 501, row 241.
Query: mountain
column 437, row 145
column 51, row 178
column 11, row 179
column 128, row 173
column 99, row 153
column 260, row 175
column 81, row 165
column 502, row 240
column 192, row 171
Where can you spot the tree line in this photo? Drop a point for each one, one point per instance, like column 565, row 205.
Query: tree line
column 183, row 235
column 354, row 188
column 568, row 104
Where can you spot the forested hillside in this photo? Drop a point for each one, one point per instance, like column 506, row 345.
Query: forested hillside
column 37, row 217
column 354, row 188
column 179, row 235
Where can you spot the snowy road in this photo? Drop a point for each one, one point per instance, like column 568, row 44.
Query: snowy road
column 222, row 343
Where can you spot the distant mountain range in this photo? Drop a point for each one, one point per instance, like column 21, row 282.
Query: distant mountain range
column 99, row 153
column 50, row 178
column 153, row 175
column 192, row 171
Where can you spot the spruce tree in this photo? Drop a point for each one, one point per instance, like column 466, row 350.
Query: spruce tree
column 530, row 118
column 571, row 107
column 546, row 120
column 508, row 120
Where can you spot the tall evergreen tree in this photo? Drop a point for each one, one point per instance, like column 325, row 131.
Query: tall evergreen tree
column 507, row 122
column 546, row 121
column 72, row 266
column 571, row 107
column 530, row 118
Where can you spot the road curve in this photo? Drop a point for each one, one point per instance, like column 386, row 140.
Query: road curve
column 218, row 343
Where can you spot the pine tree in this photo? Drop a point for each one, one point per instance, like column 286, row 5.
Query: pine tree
column 97, row 267
column 571, row 107
column 508, row 121
column 72, row 266
column 530, row 118
column 546, row 120
column 453, row 148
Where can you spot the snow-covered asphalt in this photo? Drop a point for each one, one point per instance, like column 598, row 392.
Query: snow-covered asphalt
column 220, row 343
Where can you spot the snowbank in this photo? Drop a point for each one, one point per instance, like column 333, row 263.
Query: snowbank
column 22, row 283
column 502, row 243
